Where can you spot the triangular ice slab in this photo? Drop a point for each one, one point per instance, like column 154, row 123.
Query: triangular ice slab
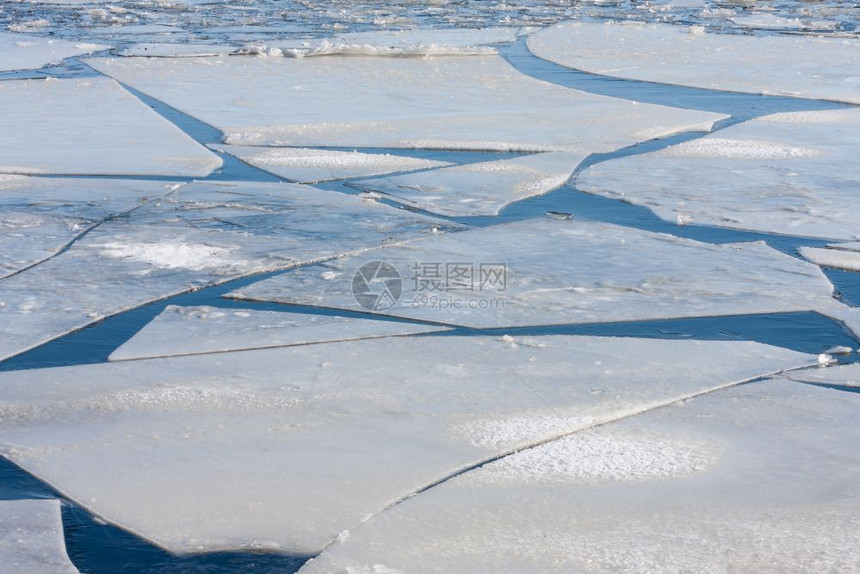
column 31, row 538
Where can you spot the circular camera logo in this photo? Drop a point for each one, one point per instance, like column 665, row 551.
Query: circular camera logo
column 377, row 286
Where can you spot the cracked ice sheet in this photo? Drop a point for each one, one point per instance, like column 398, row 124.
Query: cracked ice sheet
column 832, row 257
column 757, row 478
column 800, row 66
column 202, row 234
column 31, row 538
column 479, row 188
column 474, row 102
column 91, row 127
column 39, row 216
column 305, row 165
column 791, row 173
column 308, row 441
column 181, row 331
column 21, row 51
column 560, row 272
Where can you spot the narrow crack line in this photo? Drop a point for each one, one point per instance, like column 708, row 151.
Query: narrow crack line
column 278, row 346
column 313, row 402
column 598, row 424
column 112, row 217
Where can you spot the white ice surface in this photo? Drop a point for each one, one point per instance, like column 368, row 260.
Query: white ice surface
column 173, row 50
column 802, row 66
column 204, row 233
column 772, row 22
column 21, row 51
column 91, row 126
column 39, row 216
column 305, row 165
column 31, row 538
column 837, row 258
column 479, row 188
column 475, row 102
column 567, row 272
column 759, row 478
column 792, row 173
column 195, row 330
column 843, row 375
column 287, row 448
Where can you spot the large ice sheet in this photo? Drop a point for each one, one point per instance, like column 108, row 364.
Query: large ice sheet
column 91, row 126
column 758, row 478
column 306, row 165
column 39, row 216
column 21, row 51
column 802, row 66
column 546, row 271
column 838, row 258
column 479, row 188
column 793, row 173
column 203, row 233
column 181, row 331
column 286, row 448
column 31, row 538
column 475, row 102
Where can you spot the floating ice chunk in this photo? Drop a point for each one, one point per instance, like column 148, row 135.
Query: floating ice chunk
column 196, row 330
column 39, row 216
column 551, row 271
column 479, row 188
column 31, row 538
column 850, row 317
column 175, row 50
column 842, row 375
column 19, row 52
column 774, row 22
column 203, row 233
column 837, row 258
column 477, row 102
column 792, row 173
column 95, row 127
column 313, row 165
column 758, row 478
column 802, row 66
column 309, row 441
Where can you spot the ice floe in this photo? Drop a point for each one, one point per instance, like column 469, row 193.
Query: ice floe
column 31, row 538
column 201, row 234
column 479, row 188
column 21, row 51
column 802, row 66
column 476, row 102
column 196, row 330
column 585, row 272
column 91, row 126
column 792, row 173
column 287, row 448
column 757, row 478
column 841, row 376
column 305, row 165
column 40, row 216
column 836, row 258
column 173, row 50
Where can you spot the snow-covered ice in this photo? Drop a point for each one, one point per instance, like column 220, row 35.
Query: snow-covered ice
column 757, row 478
column 306, row 165
column 843, row 375
column 474, row 102
column 547, row 271
column 286, row 448
column 837, row 258
column 39, row 216
column 482, row 188
column 764, row 21
column 802, row 66
column 791, row 173
column 31, row 538
column 174, row 50
column 194, row 330
column 22, row 51
column 201, row 234
column 91, row 126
